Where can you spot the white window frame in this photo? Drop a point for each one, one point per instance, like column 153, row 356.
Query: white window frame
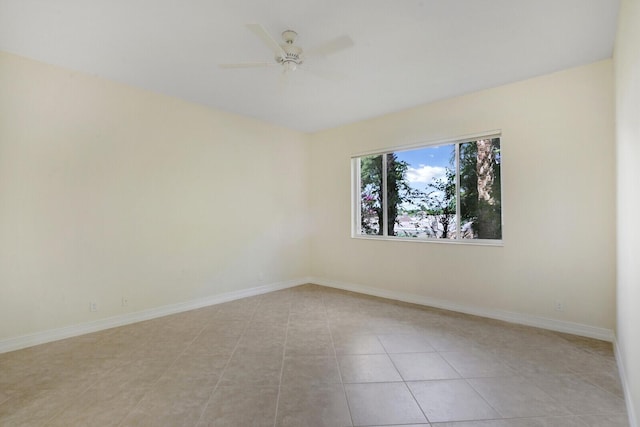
column 356, row 196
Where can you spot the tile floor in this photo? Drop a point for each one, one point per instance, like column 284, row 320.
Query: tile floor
column 314, row 356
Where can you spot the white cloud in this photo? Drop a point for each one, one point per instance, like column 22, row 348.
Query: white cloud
column 424, row 175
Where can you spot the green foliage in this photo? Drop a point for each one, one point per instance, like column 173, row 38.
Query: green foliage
column 371, row 194
column 398, row 191
column 441, row 201
column 480, row 201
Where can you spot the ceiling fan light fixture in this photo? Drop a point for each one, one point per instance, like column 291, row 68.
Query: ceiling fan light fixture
column 289, row 36
column 289, row 66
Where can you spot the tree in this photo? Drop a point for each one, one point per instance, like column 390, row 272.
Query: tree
column 480, row 203
column 398, row 191
column 371, row 194
column 441, row 201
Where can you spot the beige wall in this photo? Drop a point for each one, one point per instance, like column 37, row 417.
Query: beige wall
column 107, row 191
column 558, row 201
column 627, row 67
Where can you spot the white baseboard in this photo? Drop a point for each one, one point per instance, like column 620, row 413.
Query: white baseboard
column 17, row 343
column 519, row 318
column 633, row 420
column 24, row 341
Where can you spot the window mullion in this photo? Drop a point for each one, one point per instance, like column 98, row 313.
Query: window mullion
column 458, row 219
column 385, row 212
column 357, row 197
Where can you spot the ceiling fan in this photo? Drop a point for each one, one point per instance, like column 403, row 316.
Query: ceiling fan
column 288, row 55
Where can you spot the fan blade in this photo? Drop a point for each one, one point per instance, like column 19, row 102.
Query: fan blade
column 332, row 46
column 259, row 31
column 248, row 65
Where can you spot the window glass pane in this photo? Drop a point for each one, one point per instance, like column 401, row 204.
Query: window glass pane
column 371, row 195
column 480, row 190
column 422, row 193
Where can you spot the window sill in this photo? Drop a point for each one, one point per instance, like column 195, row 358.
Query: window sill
column 469, row 242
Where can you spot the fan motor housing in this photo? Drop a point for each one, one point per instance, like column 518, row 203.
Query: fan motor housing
column 292, row 54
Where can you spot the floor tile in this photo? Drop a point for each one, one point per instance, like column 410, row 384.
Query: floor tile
column 305, row 343
column 213, row 344
column 584, row 361
column 567, row 421
column 536, row 360
column 603, row 348
column 241, row 406
column 99, row 407
column 423, row 366
column 367, row 368
column 5, row 394
column 253, row 368
column 135, row 374
column 307, row 326
column 310, row 370
column 451, row 339
column 357, row 344
column 451, row 400
column 189, row 365
column 607, row 380
column 351, row 328
column 176, row 401
column 225, row 364
column 382, row 404
column 270, row 316
column 405, row 425
column 35, row 408
column 474, row 364
column 617, row 420
column 262, row 341
column 321, row 405
column 517, row 397
column 577, row 395
column 403, row 343
column 242, row 314
column 233, row 328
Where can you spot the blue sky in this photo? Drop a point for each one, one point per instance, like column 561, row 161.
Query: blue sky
column 427, row 163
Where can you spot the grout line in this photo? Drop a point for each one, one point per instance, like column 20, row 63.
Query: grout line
column 159, row 378
column 284, row 351
column 335, row 355
column 483, row 398
column 404, row 381
column 59, row 412
column 226, row 365
column 417, row 403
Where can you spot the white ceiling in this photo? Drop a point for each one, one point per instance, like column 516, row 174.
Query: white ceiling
column 406, row 53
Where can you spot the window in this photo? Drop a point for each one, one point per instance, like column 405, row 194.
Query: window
column 447, row 191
